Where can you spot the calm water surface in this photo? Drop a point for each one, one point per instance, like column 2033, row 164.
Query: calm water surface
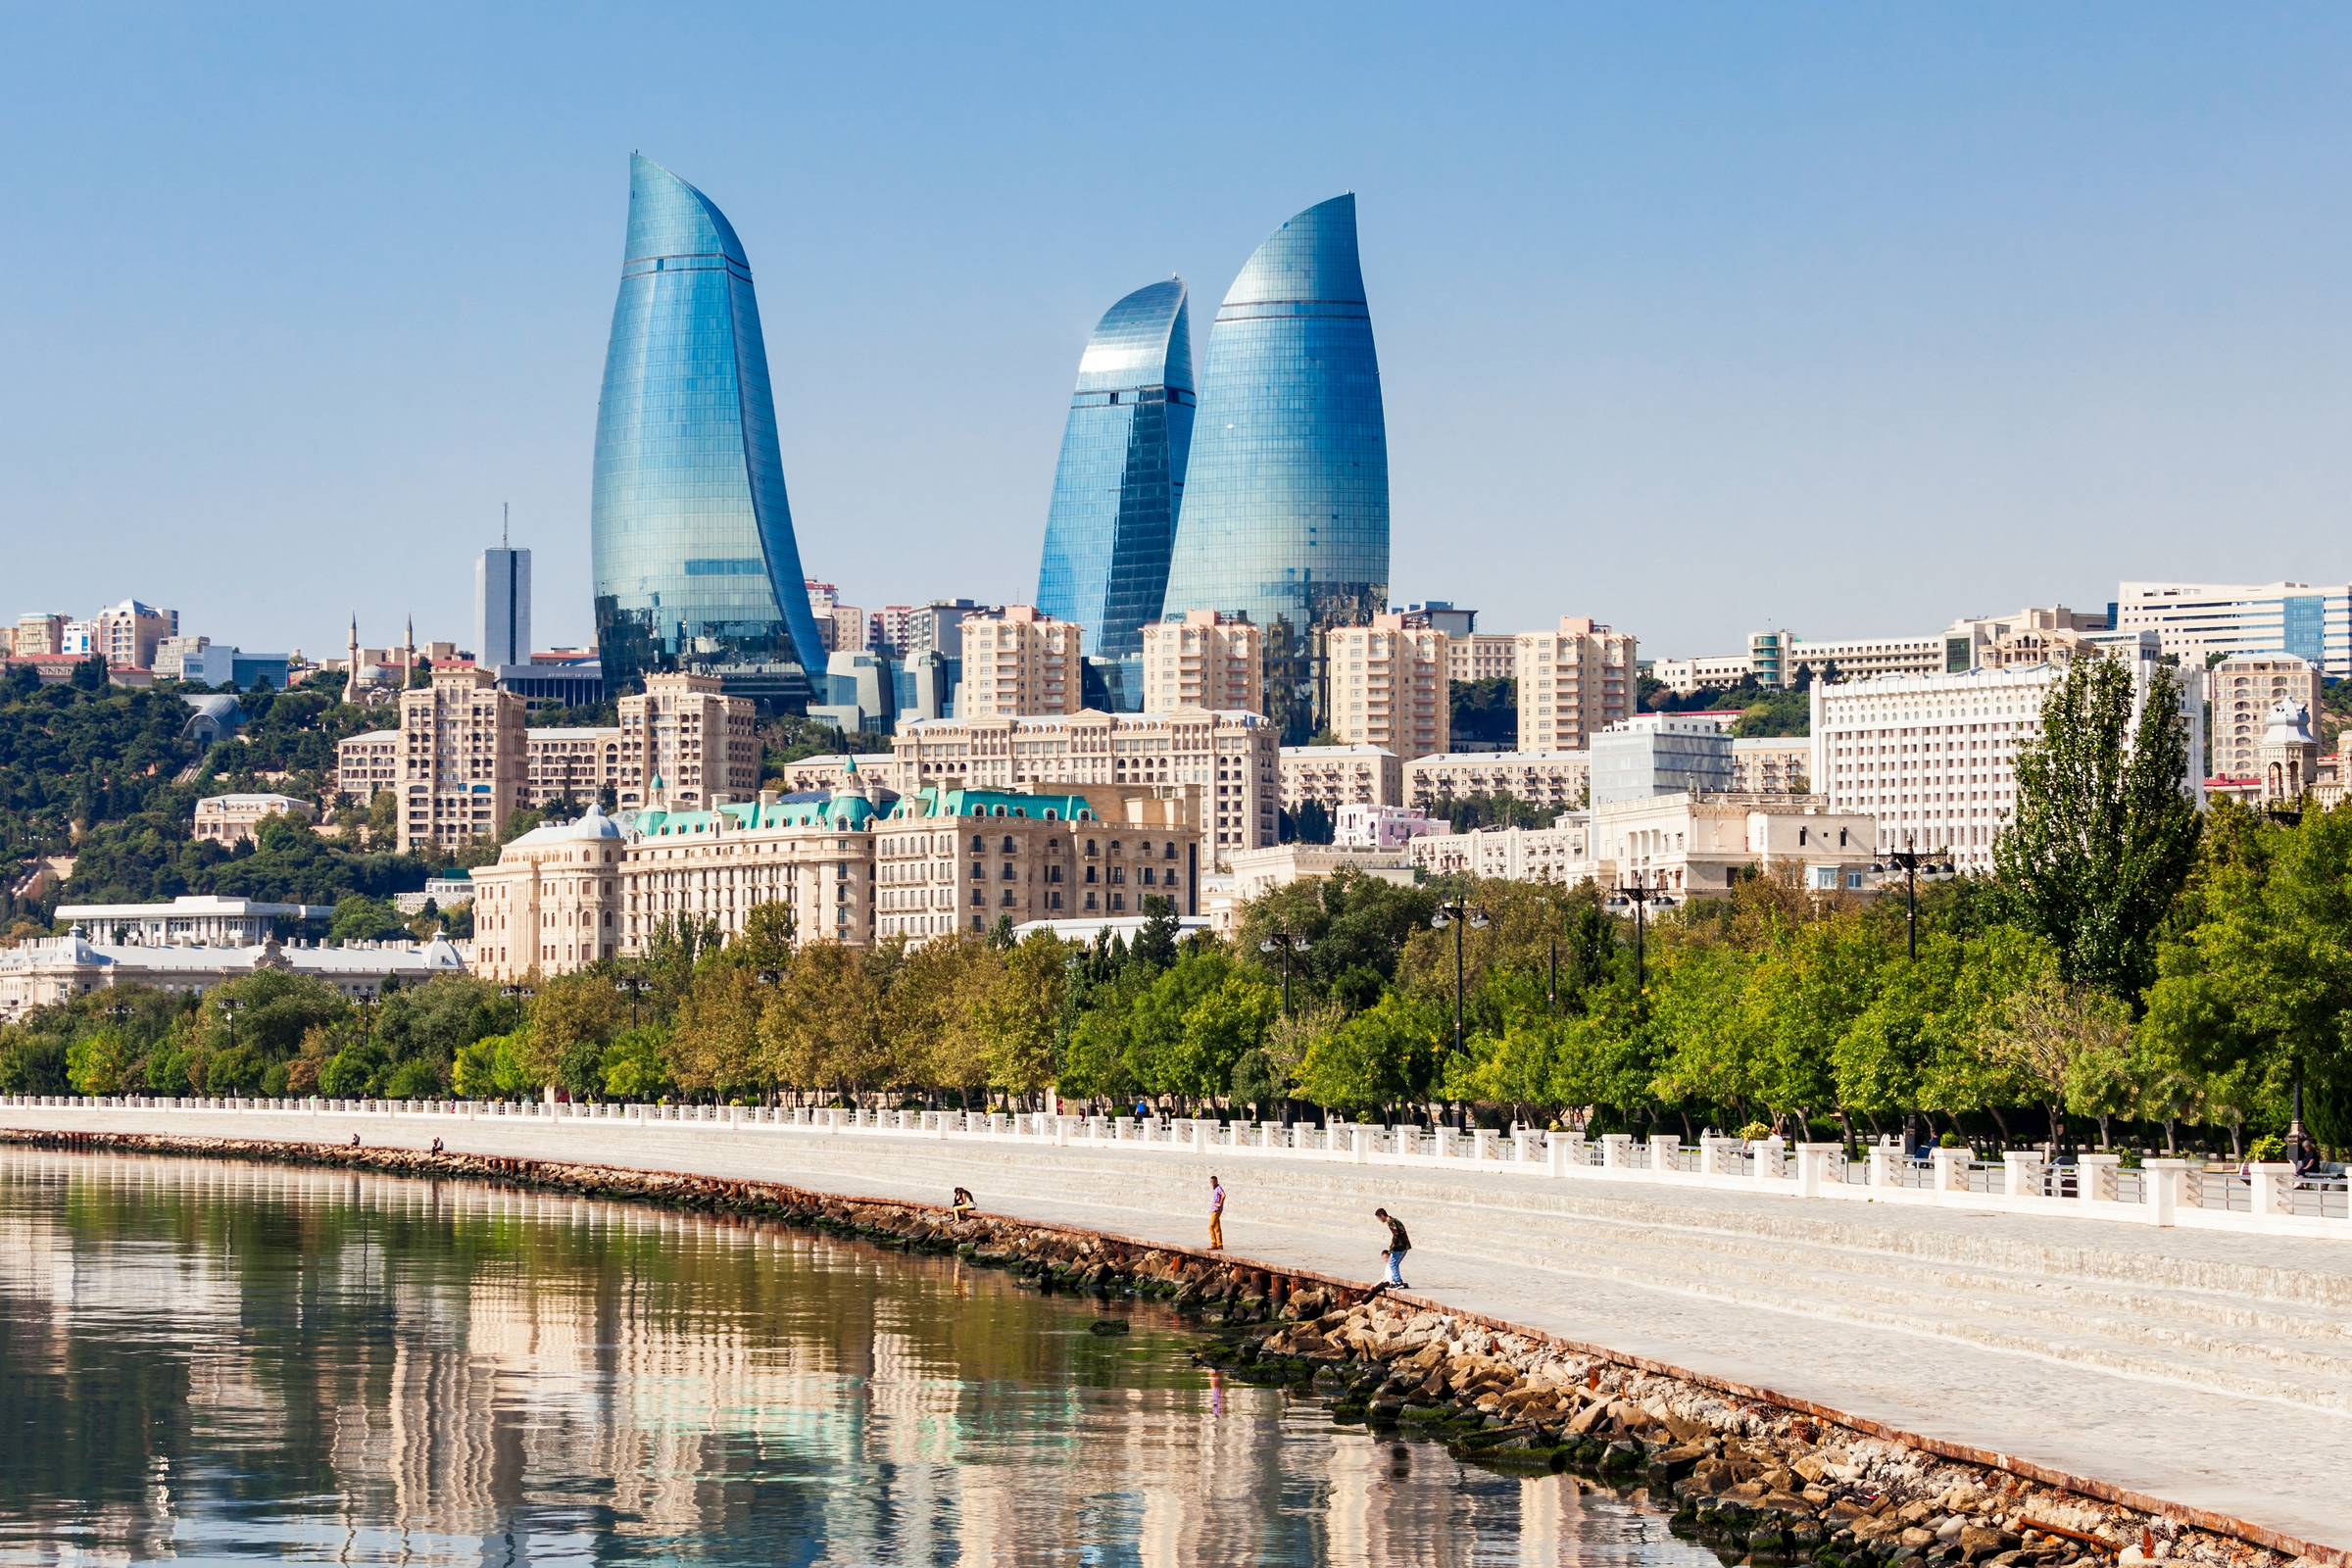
column 203, row 1360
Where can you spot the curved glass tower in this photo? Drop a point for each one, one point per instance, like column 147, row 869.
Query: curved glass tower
column 1121, row 477
column 696, row 565
column 1286, row 508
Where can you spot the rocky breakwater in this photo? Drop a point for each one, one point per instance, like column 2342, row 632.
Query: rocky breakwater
column 1753, row 1479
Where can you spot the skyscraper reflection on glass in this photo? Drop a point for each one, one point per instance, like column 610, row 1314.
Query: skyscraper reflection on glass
column 695, row 562
column 1286, row 504
column 1121, row 477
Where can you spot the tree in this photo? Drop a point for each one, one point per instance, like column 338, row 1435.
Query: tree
column 359, row 919
column 2062, row 1038
column 716, row 1044
column 2105, row 834
column 1018, row 1013
column 1388, row 1055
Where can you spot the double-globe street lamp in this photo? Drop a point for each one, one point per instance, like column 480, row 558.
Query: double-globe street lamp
column 1458, row 913
column 1639, row 897
column 1286, row 944
column 1916, row 868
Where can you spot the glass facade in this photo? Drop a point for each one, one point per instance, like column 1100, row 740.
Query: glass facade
column 1121, row 478
column 1286, row 504
column 696, row 565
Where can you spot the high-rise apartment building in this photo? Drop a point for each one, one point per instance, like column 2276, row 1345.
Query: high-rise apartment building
column 462, row 759
column 686, row 745
column 695, row 561
column 2244, row 687
column 1573, row 683
column 1388, row 686
column 1018, row 661
column 2313, row 623
column 128, row 633
column 501, row 607
column 1933, row 757
column 1120, row 480
column 1203, row 659
column 1230, row 762
column 1286, row 499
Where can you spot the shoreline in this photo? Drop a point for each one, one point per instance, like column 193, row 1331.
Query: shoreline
column 1726, row 1452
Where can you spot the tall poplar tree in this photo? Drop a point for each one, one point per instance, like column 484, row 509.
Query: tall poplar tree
column 2105, row 832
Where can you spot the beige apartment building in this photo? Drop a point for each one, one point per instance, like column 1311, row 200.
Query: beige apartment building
column 37, row 633
column 1019, row 663
column 2244, row 687
column 1385, row 685
column 950, row 858
column 462, row 759
column 1230, row 758
column 366, row 764
column 228, row 819
column 713, row 867
column 1205, row 659
column 1482, row 655
column 570, row 765
column 835, row 770
column 128, row 633
column 1556, row 779
column 1341, row 775
column 699, row 744
column 1573, row 683
column 552, row 904
column 1774, row 766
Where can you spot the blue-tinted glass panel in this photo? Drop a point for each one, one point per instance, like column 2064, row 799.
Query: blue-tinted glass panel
column 695, row 561
column 2305, row 623
column 1121, row 477
column 1286, row 504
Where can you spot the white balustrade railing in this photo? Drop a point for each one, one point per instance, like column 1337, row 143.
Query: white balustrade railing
column 2266, row 1197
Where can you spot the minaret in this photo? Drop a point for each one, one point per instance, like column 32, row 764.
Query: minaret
column 350, row 682
column 408, row 655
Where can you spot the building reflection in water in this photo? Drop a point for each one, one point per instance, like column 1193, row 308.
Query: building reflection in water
column 234, row 1359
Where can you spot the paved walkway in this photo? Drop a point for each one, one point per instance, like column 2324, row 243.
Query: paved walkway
column 2206, row 1368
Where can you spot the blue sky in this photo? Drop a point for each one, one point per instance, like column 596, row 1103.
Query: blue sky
column 1696, row 319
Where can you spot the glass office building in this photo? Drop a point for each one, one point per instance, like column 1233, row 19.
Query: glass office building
column 1286, row 504
column 696, row 565
column 1121, row 477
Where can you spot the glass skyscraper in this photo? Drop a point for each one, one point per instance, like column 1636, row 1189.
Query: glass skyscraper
column 1286, row 506
column 696, row 564
column 1121, row 478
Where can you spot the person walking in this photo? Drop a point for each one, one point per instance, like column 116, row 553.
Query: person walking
column 1216, row 1216
column 1400, row 1243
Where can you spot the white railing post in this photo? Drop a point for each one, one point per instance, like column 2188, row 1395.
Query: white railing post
column 2021, row 1173
column 1813, row 1167
column 1951, row 1173
column 2273, row 1185
column 1616, row 1150
column 1665, row 1158
column 1881, row 1168
column 2162, row 1179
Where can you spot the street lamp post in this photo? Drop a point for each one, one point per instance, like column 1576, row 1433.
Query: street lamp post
column 1458, row 912
column 634, row 986
column 1286, row 944
column 1913, row 865
column 1640, row 897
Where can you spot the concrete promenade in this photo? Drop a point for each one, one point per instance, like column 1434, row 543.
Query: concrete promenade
column 2207, row 1368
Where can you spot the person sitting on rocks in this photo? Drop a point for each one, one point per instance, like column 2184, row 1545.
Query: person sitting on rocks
column 437, row 1145
column 354, row 1140
column 964, row 1208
